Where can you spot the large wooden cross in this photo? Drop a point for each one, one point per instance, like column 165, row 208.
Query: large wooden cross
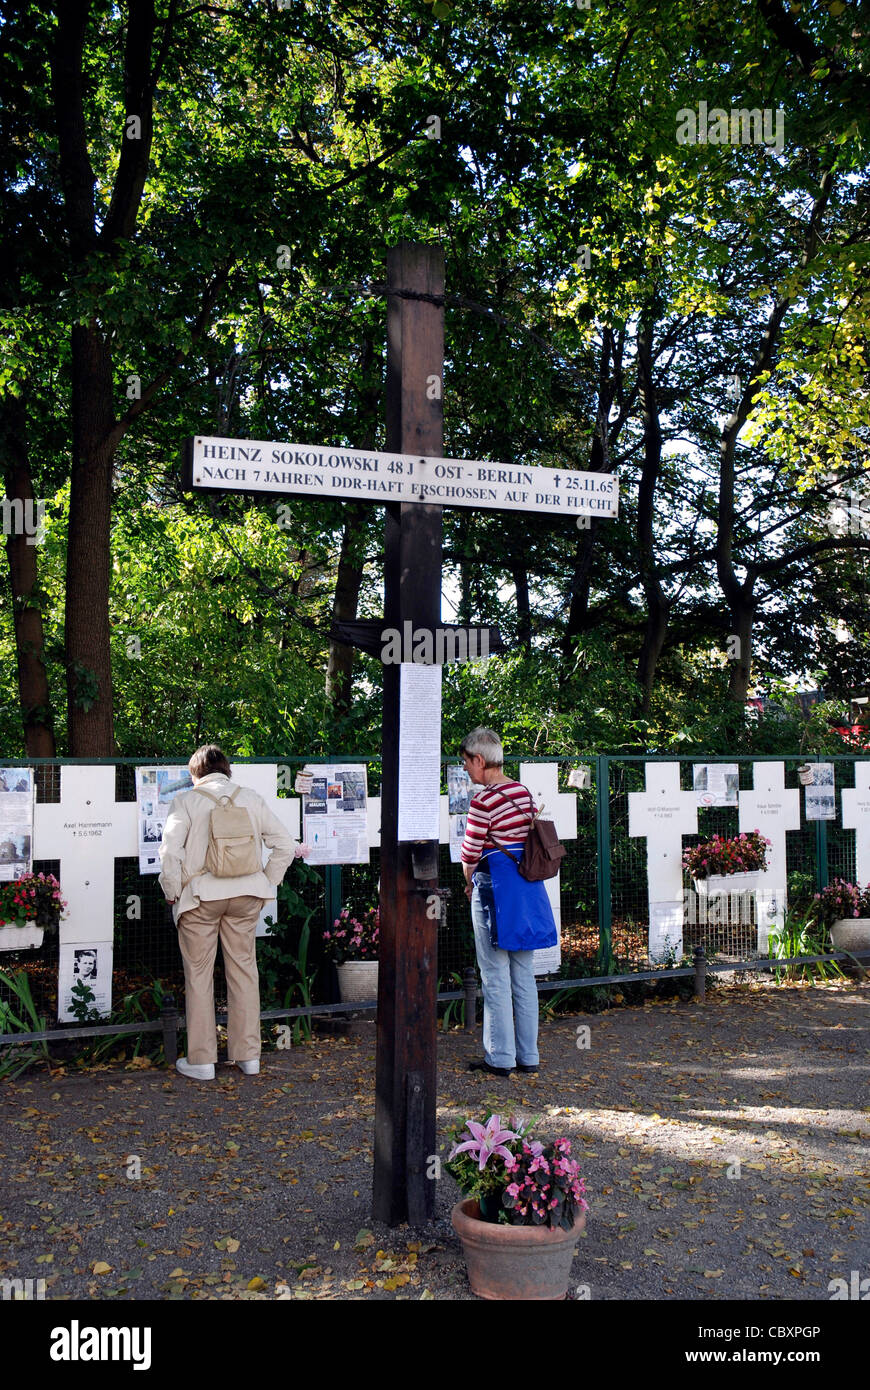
column 413, row 481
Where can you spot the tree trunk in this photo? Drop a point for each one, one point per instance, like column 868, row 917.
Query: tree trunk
column 743, row 617
column 88, row 567
column 520, row 576
column 339, row 669
column 33, row 689
column 657, row 603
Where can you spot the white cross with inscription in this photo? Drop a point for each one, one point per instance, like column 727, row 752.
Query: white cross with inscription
column 542, row 780
column 856, row 816
column 664, row 814
column 87, row 831
column 772, row 810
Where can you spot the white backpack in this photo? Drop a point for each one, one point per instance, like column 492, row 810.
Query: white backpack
column 234, row 847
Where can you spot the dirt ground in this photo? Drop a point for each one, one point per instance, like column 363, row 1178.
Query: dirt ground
column 723, row 1146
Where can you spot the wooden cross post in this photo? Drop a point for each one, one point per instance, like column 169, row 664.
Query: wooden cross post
column 402, row 478
column 408, row 974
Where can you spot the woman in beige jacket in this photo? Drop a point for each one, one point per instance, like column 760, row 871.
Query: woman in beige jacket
column 206, row 907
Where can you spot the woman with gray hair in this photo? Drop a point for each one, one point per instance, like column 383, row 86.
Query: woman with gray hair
column 511, row 917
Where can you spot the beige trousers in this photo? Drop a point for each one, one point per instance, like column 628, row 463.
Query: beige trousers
column 235, row 921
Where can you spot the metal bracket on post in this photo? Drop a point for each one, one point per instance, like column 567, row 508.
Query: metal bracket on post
column 700, row 974
column 415, row 1137
column 424, row 859
column 169, row 1019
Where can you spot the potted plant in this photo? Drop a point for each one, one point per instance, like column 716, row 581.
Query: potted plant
column 844, row 909
column 522, row 1209
column 353, row 945
column 728, row 865
column 29, row 907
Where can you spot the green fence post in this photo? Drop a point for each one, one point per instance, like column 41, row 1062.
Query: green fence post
column 333, row 895
column 604, row 959
column 821, row 855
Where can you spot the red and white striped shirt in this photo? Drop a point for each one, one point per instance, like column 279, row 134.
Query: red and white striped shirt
column 498, row 815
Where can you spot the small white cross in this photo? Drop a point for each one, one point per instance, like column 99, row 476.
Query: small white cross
column 772, row 810
column 87, row 831
column 664, row 814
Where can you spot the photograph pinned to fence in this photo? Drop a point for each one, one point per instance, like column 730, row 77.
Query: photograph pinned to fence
column 716, row 784
column 16, row 821
column 457, row 835
column 156, row 789
column 819, row 795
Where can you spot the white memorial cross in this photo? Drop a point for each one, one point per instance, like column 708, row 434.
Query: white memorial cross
column 772, row 810
column 87, row 831
column 560, row 808
column 664, row 814
column 856, row 816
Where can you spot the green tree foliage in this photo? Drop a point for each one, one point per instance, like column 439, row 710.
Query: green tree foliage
column 690, row 315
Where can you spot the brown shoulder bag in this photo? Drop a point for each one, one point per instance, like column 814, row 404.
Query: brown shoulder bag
column 542, row 853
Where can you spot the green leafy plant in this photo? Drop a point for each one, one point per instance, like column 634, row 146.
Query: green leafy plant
column 454, row 1009
column 131, row 1008
column 802, row 935
column 517, row 1180
column 81, row 1004
column 17, row 1058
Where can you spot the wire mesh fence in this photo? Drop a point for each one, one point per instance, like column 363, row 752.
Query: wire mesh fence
column 603, row 892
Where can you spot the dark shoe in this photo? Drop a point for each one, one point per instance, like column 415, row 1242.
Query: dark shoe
column 527, row 1066
column 484, row 1066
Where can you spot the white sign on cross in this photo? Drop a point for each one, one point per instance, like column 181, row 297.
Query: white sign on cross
column 664, row 814
column 856, row 816
column 772, row 810
column 87, row 831
column 360, row 475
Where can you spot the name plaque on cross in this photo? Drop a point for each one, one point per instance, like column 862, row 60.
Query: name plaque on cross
column 250, row 465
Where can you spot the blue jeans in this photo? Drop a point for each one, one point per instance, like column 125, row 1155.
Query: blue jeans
column 510, row 995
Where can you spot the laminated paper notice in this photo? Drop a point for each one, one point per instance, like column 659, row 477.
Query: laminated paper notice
column 87, row 969
column 334, row 817
column 419, row 752
column 16, row 821
column 156, row 789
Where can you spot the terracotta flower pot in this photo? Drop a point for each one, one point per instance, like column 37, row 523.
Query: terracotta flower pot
column 515, row 1262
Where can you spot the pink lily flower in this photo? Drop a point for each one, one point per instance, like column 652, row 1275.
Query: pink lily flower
column 485, row 1141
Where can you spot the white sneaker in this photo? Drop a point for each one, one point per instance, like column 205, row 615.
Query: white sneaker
column 250, row 1068
column 196, row 1071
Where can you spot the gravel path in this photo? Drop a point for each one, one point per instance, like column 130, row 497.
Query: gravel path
column 724, row 1149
